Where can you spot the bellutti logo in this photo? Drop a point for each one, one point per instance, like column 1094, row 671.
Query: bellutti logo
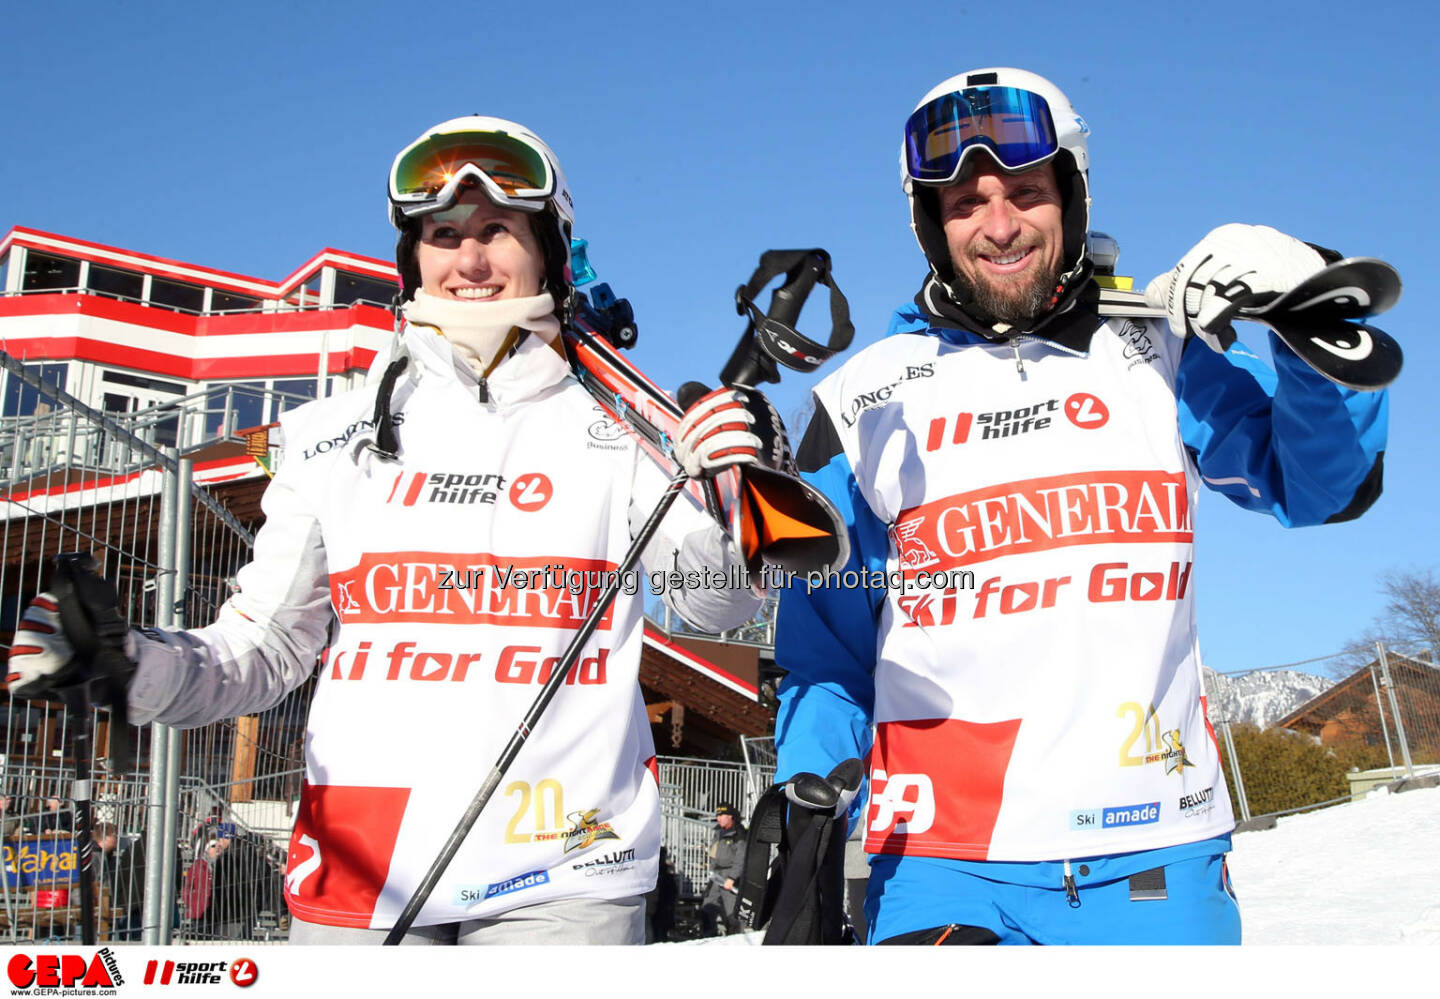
column 614, row 862
column 47, row 974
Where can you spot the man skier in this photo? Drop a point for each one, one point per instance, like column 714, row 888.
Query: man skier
column 1040, row 767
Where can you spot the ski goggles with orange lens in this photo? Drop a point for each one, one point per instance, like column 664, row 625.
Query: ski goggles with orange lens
column 1014, row 125
column 428, row 174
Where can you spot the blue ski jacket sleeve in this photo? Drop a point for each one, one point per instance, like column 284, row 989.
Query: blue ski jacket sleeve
column 1286, row 442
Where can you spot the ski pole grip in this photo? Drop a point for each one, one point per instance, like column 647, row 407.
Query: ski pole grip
column 789, row 298
column 771, row 338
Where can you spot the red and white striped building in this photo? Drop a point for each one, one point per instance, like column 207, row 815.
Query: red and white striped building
column 123, row 331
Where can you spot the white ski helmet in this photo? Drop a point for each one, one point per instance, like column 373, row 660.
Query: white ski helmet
column 1029, row 133
column 515, row 168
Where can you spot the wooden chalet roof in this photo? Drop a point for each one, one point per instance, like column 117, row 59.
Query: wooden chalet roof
column 1404, row 671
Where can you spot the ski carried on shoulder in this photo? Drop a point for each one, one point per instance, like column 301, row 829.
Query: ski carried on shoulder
column 1319, row 319
column 603, row 325
column 634, row 403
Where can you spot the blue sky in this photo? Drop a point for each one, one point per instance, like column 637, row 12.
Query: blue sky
column 249, row 137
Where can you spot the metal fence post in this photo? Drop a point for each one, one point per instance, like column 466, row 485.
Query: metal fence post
column 1394, row 709
column 1235, row 772
column 1384, row 725
column 162, row 799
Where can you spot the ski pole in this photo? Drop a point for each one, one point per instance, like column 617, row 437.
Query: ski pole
column 766, row 338
column 77, row 704
column 527, row 724
column 89, row 613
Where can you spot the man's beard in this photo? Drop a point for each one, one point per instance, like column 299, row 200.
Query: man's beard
column 1009, row 302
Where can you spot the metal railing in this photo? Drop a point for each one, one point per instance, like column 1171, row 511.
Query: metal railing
column 66, row 442
column 759, row 631
column 172, row 549
column 1379, row 722
column 690, row 790
column 268, row 305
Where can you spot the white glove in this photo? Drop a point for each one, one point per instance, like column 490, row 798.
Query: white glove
column 40, row 656
column 728, row 427
column 1235, row 266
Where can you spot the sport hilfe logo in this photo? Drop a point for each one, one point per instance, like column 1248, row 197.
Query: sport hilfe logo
column 531, row 491
column 1086, row 411
column 242, row 972
column 1082, row 409
column 462, row 488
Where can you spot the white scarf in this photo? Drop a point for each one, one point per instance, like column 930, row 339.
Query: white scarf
column 478, row 331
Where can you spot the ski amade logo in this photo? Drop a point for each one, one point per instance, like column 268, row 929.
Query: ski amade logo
column 44, row 974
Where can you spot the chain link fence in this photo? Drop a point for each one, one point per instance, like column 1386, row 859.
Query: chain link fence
column 1378, row 723
column 190, row 845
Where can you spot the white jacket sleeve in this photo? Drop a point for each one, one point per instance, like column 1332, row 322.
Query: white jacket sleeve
column 265, row 640
column 690, row 544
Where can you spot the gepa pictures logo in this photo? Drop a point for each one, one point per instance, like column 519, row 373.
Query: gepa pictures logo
column 39, row 974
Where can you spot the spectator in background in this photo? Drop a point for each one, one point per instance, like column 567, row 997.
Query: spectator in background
column 244, row 883
column 12, row 823
column 727, row 864
column 120, row 870
column 198, row 891
column 56, row 817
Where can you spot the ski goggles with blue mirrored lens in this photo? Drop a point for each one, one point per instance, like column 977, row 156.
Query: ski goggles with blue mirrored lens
column 1014, row 125
column 428, row 174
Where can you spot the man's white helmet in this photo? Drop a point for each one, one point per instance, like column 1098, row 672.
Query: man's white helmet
column 1070, row 156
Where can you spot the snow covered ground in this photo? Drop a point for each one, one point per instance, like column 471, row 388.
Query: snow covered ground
column 1367, row 872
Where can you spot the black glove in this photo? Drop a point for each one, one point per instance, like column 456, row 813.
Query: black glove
column 72, row 640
